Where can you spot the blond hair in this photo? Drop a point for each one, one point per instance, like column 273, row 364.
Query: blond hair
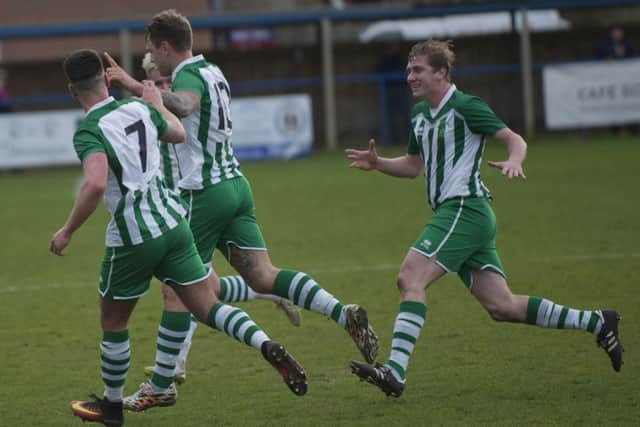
column 439, row 54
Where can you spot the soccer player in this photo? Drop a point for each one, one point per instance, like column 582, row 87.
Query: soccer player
column 147, row 235
column 447, row 136
column 221, row 208
column 232, row 288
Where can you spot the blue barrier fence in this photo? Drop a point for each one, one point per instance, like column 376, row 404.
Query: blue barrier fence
column 307, row 17
column 381, row 80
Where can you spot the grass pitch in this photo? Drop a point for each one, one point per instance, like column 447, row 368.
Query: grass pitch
column 569, row 233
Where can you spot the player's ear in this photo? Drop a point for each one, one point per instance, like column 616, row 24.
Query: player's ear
column 72, row 90
column 165, row 47
column 106, row 80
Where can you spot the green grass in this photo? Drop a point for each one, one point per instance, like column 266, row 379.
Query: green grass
column 568, row 233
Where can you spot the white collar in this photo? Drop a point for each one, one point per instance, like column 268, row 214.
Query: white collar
column 100, row 104
column 434, row 111
column 184, row 63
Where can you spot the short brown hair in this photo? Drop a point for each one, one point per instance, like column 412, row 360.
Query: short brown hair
column 439, row 54
column 172, row 27
column 83, row 68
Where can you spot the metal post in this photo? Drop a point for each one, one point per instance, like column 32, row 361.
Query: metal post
column 328, row 86
column 527, row 76
column 383, row 111
column 126, row 58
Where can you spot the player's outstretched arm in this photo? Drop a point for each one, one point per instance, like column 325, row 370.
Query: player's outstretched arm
column 94, row 182
column 174, row 133
column 512, row 167
column 407, row 166
column 119, row 77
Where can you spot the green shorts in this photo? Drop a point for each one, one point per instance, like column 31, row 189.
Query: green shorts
column 171, row 258
column 462, row 237
column 221, row 215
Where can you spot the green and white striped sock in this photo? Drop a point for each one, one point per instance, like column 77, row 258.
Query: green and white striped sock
column 406, row 331
column 237, row 324
column 548, row 314
column 115, row 354
column 304, row 292
column 234, row 289
column 174, row 327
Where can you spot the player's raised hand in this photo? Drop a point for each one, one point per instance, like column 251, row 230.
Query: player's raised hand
column 59, row 241
column 110, row 61
column 509, row 168
column 363, row 159
column 151, row 94
column 119, row 77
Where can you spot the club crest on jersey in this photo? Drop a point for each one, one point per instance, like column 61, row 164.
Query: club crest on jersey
column 418, row 123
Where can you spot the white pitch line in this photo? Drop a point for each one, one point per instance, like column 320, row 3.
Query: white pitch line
column 12, row 289
column 355, row 268
column 337, row 270
column 589, row 257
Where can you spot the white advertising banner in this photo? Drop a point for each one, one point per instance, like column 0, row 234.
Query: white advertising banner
column 272, row 127
column 594, row 93
column 38, row 139
column 267, row 127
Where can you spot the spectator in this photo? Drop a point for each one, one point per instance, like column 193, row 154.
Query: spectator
column 615, row 46
column 6, row 102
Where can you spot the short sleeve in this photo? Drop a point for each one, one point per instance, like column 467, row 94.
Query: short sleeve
column 187, row 81
column 480, row 118
column 412, row 147
column 86, row 142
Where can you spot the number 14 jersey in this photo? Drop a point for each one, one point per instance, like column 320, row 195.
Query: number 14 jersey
column 127, row 132
column 207, row 156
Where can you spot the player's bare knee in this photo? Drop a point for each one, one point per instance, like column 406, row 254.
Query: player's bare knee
column 247, row 264
column 112, row 321
column 501, row 311
column 255, row 269
column 497, row 314
column 201, row 316
column 409, row 288
column 259, row 278
column 169, row 296
column 402, row 282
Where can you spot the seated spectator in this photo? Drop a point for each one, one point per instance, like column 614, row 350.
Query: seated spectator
column 615, row 46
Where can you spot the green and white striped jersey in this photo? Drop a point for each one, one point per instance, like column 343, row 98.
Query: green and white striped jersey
column 207, row 157
column 450, row 139
column 169, row 165
column 140, row 205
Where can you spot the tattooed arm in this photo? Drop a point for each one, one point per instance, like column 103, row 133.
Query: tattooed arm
column 180, row 103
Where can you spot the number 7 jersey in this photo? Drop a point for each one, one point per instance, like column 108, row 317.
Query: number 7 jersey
column 127, row 133
column 207, row 156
